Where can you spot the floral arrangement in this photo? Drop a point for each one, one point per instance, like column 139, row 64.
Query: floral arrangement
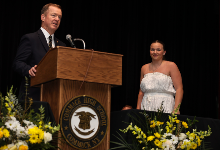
column 173, row 134
column 21, row 129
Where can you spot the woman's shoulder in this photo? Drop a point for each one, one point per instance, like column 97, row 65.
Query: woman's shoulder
column 170, row 63
column 146, row 66
column 171, row 66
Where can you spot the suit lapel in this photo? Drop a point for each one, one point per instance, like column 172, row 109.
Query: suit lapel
column 56, row 41
column 43, row 40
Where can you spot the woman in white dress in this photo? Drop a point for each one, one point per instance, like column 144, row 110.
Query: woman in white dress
column 160, row 81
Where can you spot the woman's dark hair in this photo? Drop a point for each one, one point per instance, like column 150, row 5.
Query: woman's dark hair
column 158, row 41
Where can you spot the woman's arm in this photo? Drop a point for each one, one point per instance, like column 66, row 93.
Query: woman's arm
column 140, row 97
column 140, row 94
column 177, row 82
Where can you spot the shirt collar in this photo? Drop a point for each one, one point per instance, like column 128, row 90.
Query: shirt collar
column 46, row 34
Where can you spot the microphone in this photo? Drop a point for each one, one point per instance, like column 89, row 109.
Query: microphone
column 69, row 38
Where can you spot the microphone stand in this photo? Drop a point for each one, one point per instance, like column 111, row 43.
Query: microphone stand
column 78, row 39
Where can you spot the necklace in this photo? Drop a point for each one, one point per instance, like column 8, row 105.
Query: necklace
column 154, row 69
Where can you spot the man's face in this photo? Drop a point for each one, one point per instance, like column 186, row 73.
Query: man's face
column 51, row 19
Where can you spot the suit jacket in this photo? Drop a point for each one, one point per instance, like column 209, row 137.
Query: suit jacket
column 32, row 49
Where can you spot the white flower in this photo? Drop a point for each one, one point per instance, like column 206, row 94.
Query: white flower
column 16, row 125
column 165, row 135
column 13, row 118
column 12, row 124
column 172, row 147
column 174, row 139
column 28, row 123
column 167, row 145
column 182, row 136
column 47, row 137
column 9, row 124
column 11, row 145
column 20, row 131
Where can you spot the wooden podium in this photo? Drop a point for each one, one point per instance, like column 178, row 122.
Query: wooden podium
column 61, row 73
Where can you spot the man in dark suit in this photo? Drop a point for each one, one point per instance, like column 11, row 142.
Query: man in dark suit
column 34, row 46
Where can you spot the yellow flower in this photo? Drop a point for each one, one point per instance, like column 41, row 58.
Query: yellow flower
column 1, row 134
column 185, row 124
column 150, row 138
column 193, row 145
column 144, row 136
column 41, row 134
column 158, row 143
column 134, row 132
column 182, row 146
column 39, row 141
column 192, row 136
column 152, row 126
column 4, row 147
column 140, row 141
column 157, row 135
column 138, row 137
column 201, row 136
column 177, row 121
column 187, row 133
column 23, row 147
column 33, row 130
column 138, row 129
column 159, row 123
column 168, row 129
column 9, row 109
column 6, row 104
column 6, row 133
column 33, row 138
column 198, row 140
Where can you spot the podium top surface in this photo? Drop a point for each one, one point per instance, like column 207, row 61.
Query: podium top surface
column 73, row 64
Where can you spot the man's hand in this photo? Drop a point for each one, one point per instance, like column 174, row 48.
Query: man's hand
column 32, row 71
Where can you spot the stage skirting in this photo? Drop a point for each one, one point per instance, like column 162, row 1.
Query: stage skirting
column 119, row 117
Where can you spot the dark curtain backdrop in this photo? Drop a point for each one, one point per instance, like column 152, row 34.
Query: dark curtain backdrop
column 189, row 29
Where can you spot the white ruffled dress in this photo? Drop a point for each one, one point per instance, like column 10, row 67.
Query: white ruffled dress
column 157, row 88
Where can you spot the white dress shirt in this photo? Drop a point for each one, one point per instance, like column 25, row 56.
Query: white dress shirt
column 46, row 34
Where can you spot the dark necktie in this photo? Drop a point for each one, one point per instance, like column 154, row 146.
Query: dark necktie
column 50, row 42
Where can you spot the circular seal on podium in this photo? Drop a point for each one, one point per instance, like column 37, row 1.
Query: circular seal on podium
column 83, row 122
